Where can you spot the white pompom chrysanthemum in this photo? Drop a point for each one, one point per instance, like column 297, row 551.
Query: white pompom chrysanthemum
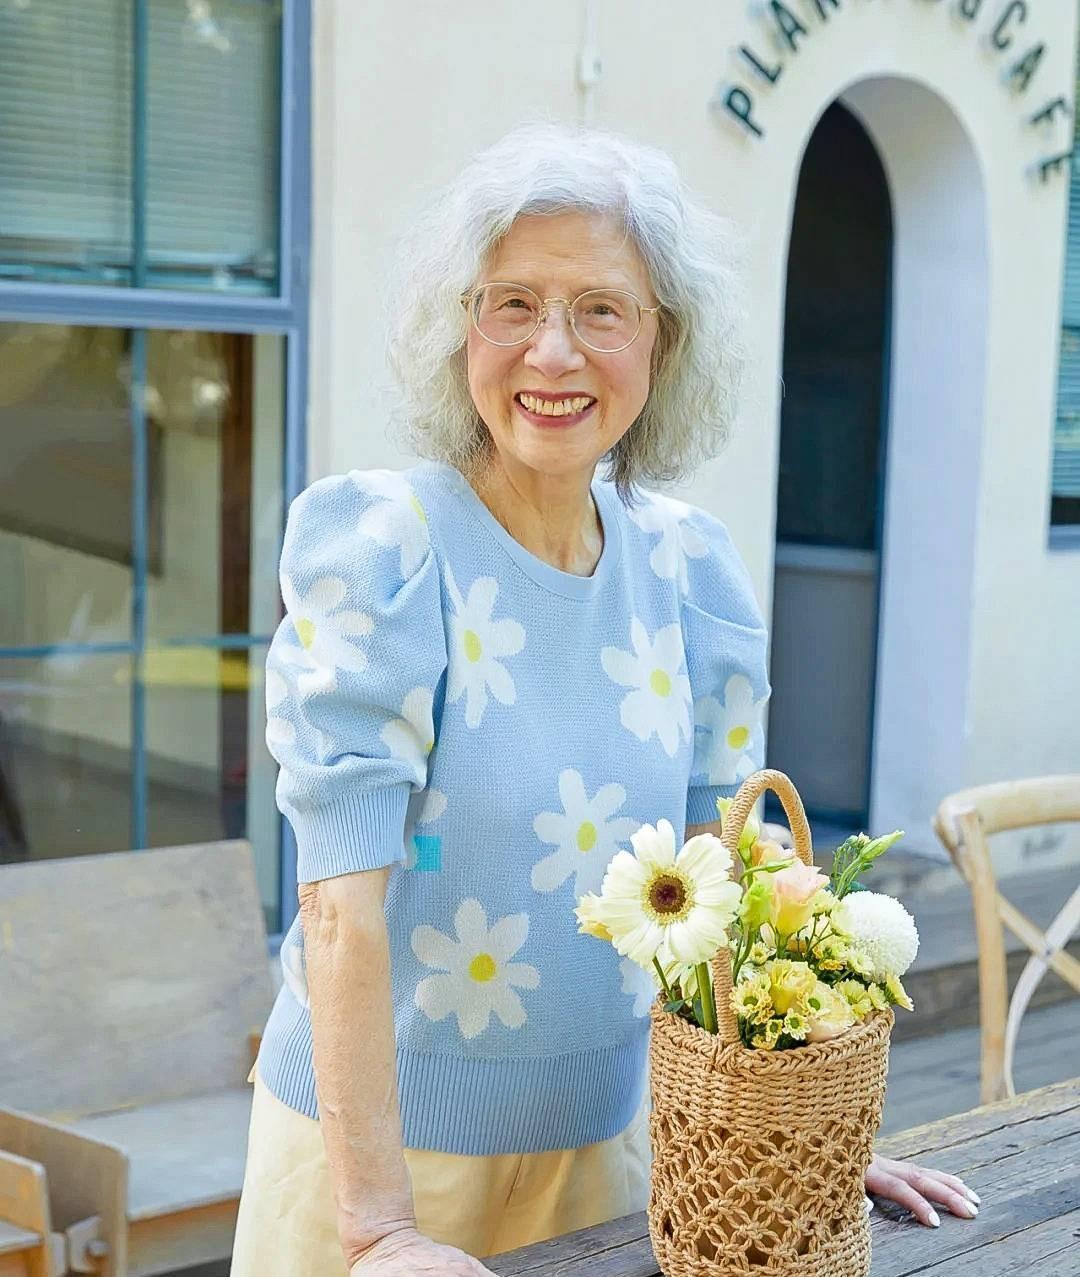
column 881, row 927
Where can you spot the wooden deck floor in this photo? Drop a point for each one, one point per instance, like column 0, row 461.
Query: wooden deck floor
column 936, row 1076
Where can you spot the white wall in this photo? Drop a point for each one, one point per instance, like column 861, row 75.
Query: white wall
column 404, row 94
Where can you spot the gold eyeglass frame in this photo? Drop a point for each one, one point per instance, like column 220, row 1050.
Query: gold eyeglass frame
column 545, row 302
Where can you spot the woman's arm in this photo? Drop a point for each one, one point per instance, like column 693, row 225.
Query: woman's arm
column 347, row 956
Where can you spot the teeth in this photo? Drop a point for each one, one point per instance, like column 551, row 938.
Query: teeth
column 557, row 408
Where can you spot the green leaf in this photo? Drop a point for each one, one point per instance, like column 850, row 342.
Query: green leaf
column 676, row 1004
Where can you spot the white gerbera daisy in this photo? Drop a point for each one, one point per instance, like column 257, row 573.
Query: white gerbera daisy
column 475, row 976
column 323, row 629
column 679, row 540
column 659, row 703
column 478, row 643
column 675, row 908
column 881, row 928
column 586, row 832
column 412, row 736
column 725, row 750
column 395, row 518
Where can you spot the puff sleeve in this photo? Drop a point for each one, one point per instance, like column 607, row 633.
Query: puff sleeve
column 726, row 645
column 353, row 669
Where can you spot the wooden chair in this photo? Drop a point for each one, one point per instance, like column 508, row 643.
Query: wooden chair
column 132, row 988
column 964, row 822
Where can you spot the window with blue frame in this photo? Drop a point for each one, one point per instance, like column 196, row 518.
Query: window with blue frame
column 1065, row 480
column 152, row 386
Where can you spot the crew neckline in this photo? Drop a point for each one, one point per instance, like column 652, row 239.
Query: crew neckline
column 568, row 584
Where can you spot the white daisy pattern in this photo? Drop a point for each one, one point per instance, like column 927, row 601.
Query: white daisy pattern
column 411, row 737
column 293, row 967
column 659, row 702
column 679, row 540
column 424, row 808
column 479, row 643
column 474, row 975
column 725, row 752
column 638, row 984
column 586, row 833
column 279, row 731
column 324, row 629
column 396, row 518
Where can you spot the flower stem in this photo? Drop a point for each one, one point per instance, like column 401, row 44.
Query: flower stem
column 708, row 1001
column 663, row 980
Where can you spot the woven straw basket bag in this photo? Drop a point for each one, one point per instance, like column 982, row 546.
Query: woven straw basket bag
column 759, row 1156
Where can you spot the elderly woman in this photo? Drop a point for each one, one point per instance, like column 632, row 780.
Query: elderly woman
column 495, row 666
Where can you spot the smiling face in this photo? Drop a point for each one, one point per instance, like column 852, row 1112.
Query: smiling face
column 590, row 399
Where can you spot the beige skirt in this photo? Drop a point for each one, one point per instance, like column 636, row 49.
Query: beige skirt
column 482, row 1205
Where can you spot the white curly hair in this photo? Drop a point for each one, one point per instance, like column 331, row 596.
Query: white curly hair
column 688, row 251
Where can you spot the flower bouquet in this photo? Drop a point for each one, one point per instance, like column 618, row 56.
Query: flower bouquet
column 770, row 1037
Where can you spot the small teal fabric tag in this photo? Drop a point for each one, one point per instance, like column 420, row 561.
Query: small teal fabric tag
column 428, row 853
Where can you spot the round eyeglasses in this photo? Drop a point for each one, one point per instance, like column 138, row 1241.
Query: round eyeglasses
column 604, row 319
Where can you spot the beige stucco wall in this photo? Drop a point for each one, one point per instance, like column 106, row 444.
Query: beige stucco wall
column 403, row 95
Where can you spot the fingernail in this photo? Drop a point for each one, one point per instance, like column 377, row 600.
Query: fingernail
column 973, row 1196
column 972, row 1209
column 933, row 1218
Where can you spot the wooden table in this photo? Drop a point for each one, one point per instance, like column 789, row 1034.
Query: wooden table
column 1021, row 1156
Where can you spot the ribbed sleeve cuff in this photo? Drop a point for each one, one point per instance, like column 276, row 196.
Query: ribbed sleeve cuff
column 359, row 831
column 701, row 802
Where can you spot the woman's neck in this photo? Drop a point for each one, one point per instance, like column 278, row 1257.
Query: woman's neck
column 555, row 520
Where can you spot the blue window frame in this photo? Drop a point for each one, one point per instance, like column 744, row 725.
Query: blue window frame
column 147, row 313
column 1065, row 477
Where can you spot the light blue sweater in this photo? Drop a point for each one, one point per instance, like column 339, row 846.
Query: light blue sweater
column 441, row 700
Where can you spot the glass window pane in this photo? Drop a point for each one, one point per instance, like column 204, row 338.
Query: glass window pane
column 65, row 141
column 65, row 756
column 217, row 402
column 210, row 773
column 212, row 130
column 211, row 110
column 65, row 485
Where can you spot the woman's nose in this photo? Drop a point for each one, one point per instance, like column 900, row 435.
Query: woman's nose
column 552, row 348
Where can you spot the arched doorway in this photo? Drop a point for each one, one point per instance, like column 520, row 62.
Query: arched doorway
column 831, row 487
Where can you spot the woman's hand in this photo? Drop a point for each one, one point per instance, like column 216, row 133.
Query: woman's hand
column 408, row 1253
column 916, row 1188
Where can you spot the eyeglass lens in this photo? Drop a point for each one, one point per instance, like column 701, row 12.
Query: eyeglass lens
column 507, row 314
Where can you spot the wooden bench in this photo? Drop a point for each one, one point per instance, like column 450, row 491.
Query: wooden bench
column 133, row 987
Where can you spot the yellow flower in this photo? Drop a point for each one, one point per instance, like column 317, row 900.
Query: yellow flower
column 831, row 953
column 824, row 902
column 751, row 999
column 829, row 1014
column 795, row 1025
column 897, row 993
column 760, row 953
column 675, row 907
column 766, row 1038
column 793, row 890
column 589, row 913
column 857, row 997
column 877, row 997
column 789, row 982
column 764, row 851
column 861, row 963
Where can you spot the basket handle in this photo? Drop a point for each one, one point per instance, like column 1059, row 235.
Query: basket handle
column 749, row 792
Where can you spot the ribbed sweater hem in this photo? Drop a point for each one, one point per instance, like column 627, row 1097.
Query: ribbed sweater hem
column 545, row 1102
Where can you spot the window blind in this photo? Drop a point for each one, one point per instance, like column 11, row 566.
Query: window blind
column 212, row 129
